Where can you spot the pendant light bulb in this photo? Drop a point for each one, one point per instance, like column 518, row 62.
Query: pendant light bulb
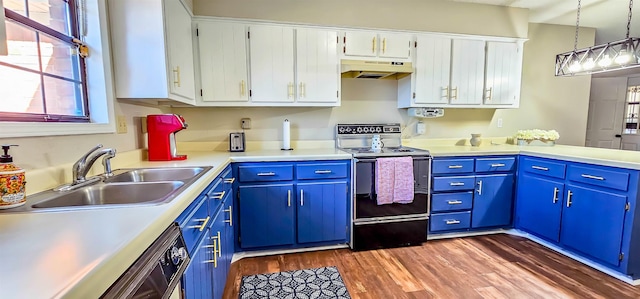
column 623, row 57
column 575, row 66
column 589, row 64
column 605, row 61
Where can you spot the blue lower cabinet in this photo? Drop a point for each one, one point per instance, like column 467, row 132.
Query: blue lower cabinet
column 593, row 222
column 539, row 206
column 447, row 202
column 493, row 201
column 197, row 278
column 268, row 215
column 322, row 212
column 450, row 221
column 218, row 242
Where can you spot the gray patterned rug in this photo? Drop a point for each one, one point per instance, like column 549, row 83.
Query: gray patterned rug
column 316, row 283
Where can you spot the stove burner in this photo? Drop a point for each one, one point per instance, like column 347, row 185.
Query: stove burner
column 402, row 150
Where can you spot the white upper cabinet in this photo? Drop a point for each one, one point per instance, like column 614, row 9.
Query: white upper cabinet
column 504, row 73
column 223, row 62
column 317, row 66
column 374, row 44
column 454, row 73
column 152, row 44
column 467, row 72
column 272, row 64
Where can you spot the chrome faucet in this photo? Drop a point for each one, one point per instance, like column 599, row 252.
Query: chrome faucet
column 83, row 165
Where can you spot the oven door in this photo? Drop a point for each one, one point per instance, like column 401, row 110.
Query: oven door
column 366, row 206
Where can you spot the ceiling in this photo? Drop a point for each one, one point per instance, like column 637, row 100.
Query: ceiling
column 609, row 17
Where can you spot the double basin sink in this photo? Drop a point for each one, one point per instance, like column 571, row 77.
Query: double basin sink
column 125, row 187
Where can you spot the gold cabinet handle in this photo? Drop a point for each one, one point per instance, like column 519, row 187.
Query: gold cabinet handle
column 322, row 171
column 373, row 49
column 230, row 221
column 569, row 194
column 242, row 88
column 300, row 90
column 593, row 177
column 288, row 198
column 176, row 73
column 230, row 180
column 219, row 195
column 304, row 89
column 266, row 173
column 219, row 242
column 301, row 198
column 454, row 202
column 555, row 194
column 498, row 165
column 450, row 222
column 446, row 92
column 215, row 245
column 455, row 166
column 384, row 45
column 490, row 91
column 290, row 90
column 456, row 184
column 203, row 225
column 455, row 95
column 479, row 188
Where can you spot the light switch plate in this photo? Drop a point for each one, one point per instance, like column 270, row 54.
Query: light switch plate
column 121, row 124
column 245, row 123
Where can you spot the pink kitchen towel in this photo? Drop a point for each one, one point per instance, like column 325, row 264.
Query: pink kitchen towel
column 403, row 181
column 385, row 174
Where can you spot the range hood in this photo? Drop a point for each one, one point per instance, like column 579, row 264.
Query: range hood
column 371, row 69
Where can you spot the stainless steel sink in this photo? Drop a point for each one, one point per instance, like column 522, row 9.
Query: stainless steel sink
column 139, row 186
column 113, row 194
column 156, row 175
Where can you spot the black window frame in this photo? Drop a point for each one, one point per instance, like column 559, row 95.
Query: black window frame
column 71, row 40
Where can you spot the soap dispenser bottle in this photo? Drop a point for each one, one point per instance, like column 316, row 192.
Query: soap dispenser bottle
column 12, row 192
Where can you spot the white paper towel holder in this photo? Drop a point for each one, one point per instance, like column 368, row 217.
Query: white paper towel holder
column 285, row 124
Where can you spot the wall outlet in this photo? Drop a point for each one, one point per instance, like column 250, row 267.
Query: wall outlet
column 245, row 123
column 121, row 124
column 499, row 122
column 421, row 128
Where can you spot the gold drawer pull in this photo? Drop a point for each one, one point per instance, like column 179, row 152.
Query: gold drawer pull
column 450, row 222
column 456, row 184
column 219, row 195
column 266, row 173
column 569, row 202
column 230, row 181
column 455, row 166
column 593, row 177
column 540, row 168
column 322, row 171
column 204, row 224
column 498, row 165
column 454, row 202
column 555, row 194
column 230, row 221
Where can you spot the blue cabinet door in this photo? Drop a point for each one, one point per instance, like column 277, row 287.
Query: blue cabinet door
column 322, row 211
column 539, row 206
column 218, row 240
column 267, row 215
column 197, row 278
column 593, row 222
column 493, row 201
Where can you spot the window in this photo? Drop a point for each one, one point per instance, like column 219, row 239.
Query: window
column 43, row 77
column 632, row 111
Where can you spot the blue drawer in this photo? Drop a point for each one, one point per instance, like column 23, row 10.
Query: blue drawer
column 445, row 202
column 266, row 173
column 454, row 183
column 450, row 221
column 321, row 171
column 227, row 179
column 544, row 167
column 599, row 176
column 495, row 164
column 195, row 224
column 447, row 166
column 216, row 194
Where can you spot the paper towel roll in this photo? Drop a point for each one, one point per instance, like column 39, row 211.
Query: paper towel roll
column 286, row 135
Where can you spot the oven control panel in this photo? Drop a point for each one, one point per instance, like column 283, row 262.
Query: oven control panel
column 355, row 129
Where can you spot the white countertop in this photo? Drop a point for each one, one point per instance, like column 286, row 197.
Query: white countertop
column 79, row 254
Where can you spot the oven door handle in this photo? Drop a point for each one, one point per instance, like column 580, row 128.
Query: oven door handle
column 365, row 160
column 374, row 160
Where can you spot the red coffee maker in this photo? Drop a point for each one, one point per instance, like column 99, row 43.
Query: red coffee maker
column 161, row 131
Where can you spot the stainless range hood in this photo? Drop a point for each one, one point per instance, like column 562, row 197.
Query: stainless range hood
column 370, row 69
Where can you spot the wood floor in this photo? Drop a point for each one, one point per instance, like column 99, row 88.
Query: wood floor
column 495, row 266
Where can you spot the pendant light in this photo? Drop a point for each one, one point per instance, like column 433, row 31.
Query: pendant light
column 612, row 56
